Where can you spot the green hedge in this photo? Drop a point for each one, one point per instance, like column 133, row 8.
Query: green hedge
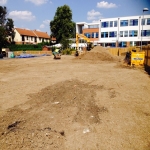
column 25, row 47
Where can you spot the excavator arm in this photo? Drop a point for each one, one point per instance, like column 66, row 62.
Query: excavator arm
column 78, row 36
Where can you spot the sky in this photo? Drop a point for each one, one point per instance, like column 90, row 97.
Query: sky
column 37, row 14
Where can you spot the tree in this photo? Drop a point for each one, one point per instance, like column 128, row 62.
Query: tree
column 10, row 28
column 6, row 28
column 62, row 27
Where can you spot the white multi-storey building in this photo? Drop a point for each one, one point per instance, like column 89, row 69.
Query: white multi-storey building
column 121, row 31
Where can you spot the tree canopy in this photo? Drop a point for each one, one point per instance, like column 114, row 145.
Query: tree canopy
column 62, row 27
column 6, row 27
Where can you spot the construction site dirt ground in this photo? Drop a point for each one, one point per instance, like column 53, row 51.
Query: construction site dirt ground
column 73, row 104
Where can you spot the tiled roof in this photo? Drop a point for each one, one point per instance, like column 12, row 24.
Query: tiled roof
column 53, row 38
column 25, row 32
column 41, row 34
column 33, row 33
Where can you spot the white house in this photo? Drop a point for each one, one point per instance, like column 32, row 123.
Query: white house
column 24, row 36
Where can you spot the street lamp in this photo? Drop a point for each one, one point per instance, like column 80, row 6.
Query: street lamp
column 144, row 9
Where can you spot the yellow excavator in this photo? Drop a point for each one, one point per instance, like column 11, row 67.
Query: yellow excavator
column 81, row 36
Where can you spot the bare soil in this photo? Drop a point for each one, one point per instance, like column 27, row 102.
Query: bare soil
column 88, row 103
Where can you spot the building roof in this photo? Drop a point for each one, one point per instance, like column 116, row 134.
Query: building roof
column 25, row 32
column 53, row 38
column 41, row 34
column 32, row 33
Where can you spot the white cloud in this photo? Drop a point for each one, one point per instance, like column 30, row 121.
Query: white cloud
column 47, row 22
column 95, row 21
column 42, row 26
column 93, row 15
column 3, row 2
column 21, row 15
column 38, row 2
column 104, row 4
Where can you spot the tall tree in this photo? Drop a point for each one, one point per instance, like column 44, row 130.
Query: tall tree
column 10, row 28
column 62, row 27
column 6, row 27
column 3, row 13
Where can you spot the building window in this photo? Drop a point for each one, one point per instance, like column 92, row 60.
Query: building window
column 148, row 21
column 97, row 34
column 113, row 34
column 111, row 23
column 133, row 33
column 39, row 39
column 121, row 33
column 125, row 33
column 143, row 22
column 87, row 35
column 115, row 23
column 104, row 34
column 27, row 37
column 105, row 24
column 93, row 26
column 123, row 44
column 134, row 22
column 123, row 23
column 31, row 38
column 92, row 34
column 146, row 33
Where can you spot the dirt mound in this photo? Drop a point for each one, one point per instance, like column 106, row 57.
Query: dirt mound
column 44, row 122
column 98, row 53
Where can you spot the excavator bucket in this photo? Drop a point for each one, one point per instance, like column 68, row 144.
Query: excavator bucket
column 57, row 56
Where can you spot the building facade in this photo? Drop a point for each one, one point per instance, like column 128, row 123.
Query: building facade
column 114, row 32
column 24, row 36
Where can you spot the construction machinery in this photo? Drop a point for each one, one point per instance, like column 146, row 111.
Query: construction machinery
column 57, row 54
column 135, row 57
column 81, row 36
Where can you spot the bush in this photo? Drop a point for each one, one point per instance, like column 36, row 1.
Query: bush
column 67, row 52
column 14, row 47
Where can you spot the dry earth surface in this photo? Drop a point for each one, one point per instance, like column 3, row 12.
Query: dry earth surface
column 92, row 102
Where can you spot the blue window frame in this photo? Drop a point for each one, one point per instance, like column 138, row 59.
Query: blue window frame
column 105, row 24
column 143, row 22
column 113, row 44
column 97, row 34
column 123, row 23
column 125, row 33
column 92, row 34
column 113, row 34
column 121, row 33
column 148, row 21
column 115, row 23
column 134, row 22
column 123, row 44
column 133, row 33
column 145, row 33
column 87, row 35
column 111, row 23
column 104, row 34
